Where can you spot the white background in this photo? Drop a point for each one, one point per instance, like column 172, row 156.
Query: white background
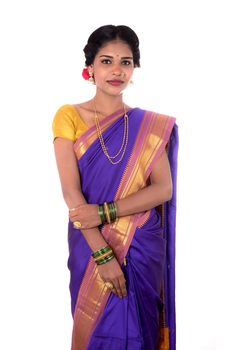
column 187, row 72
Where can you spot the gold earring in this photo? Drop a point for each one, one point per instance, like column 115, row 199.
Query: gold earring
column 91, row 77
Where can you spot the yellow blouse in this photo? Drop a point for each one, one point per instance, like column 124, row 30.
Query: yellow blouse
column 67, row 123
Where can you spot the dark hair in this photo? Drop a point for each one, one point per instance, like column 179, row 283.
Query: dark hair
column 108, row 33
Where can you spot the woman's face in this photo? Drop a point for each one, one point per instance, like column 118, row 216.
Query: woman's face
column 113, row 67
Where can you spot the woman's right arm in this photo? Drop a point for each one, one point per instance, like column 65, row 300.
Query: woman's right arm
column 73, row 196
column 70, row 183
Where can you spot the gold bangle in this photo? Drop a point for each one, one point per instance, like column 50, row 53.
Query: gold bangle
column 105, row 260
column 107, row 213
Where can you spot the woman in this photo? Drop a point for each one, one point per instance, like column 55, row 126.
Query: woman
column 116, row 165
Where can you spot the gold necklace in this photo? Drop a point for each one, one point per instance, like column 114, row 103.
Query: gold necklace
column 124, row 142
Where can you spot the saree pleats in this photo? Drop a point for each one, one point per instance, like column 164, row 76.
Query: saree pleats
column 102, row 320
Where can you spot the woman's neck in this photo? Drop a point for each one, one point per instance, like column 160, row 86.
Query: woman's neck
column 106, row 105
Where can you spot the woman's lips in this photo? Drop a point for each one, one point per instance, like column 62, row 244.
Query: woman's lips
column 115, row 82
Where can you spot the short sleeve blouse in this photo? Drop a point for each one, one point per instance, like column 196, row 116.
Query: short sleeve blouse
column 68, row 124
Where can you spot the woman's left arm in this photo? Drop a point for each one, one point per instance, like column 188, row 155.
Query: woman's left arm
column 158, row 192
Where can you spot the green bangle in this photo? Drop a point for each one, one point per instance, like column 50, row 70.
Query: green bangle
column 113, row 212
column 101, row 251
column 105, row 260
column 101, row 213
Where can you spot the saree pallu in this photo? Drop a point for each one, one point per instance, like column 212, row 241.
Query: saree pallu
column 144, row 243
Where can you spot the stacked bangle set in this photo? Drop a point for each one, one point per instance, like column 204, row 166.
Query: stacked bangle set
column 107, row 212
column 103, row 255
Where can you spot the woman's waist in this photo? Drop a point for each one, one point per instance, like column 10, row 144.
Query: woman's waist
column 151, row 220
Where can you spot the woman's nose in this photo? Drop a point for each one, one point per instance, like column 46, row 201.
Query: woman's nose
column 117, row 71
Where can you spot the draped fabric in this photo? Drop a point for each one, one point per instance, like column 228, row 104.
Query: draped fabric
column 144, row 243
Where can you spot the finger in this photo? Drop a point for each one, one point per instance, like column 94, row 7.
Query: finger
column 122, row 283
column 73, row 215
column 75, row 218
column 113, row 290
column 118, row 289
column 124, row 290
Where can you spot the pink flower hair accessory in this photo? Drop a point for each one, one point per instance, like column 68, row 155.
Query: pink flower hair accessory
column 85, row 74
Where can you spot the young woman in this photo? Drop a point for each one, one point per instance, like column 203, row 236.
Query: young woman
column 116, row 165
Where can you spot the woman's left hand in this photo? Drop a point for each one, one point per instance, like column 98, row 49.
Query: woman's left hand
column 86, row 214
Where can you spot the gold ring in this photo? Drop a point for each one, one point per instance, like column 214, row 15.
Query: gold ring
column 77, row 224
column 109, row 285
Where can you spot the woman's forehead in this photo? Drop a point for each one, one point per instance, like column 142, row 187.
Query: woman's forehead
column 116, row 47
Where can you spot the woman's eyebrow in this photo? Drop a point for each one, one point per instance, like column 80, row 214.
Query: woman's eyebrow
column 129, row 58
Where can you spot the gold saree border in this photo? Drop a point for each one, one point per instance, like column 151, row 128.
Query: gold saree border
column 93, row 294
column 164, row 343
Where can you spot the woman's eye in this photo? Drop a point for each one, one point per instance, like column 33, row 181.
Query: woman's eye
column 106, row 61
column 126, row 62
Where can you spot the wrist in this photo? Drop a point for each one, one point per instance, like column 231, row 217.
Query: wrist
column 107, row 212
column 94, row 238
column 103, row 255
column 118, row 209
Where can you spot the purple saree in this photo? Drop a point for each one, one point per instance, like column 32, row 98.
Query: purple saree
column 145, row 318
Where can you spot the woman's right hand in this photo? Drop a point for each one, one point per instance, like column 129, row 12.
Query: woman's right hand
column 111, row 272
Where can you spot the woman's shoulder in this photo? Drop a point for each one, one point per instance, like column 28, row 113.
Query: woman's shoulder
column 67, row 109
column 67, row 122
column 68, row 112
